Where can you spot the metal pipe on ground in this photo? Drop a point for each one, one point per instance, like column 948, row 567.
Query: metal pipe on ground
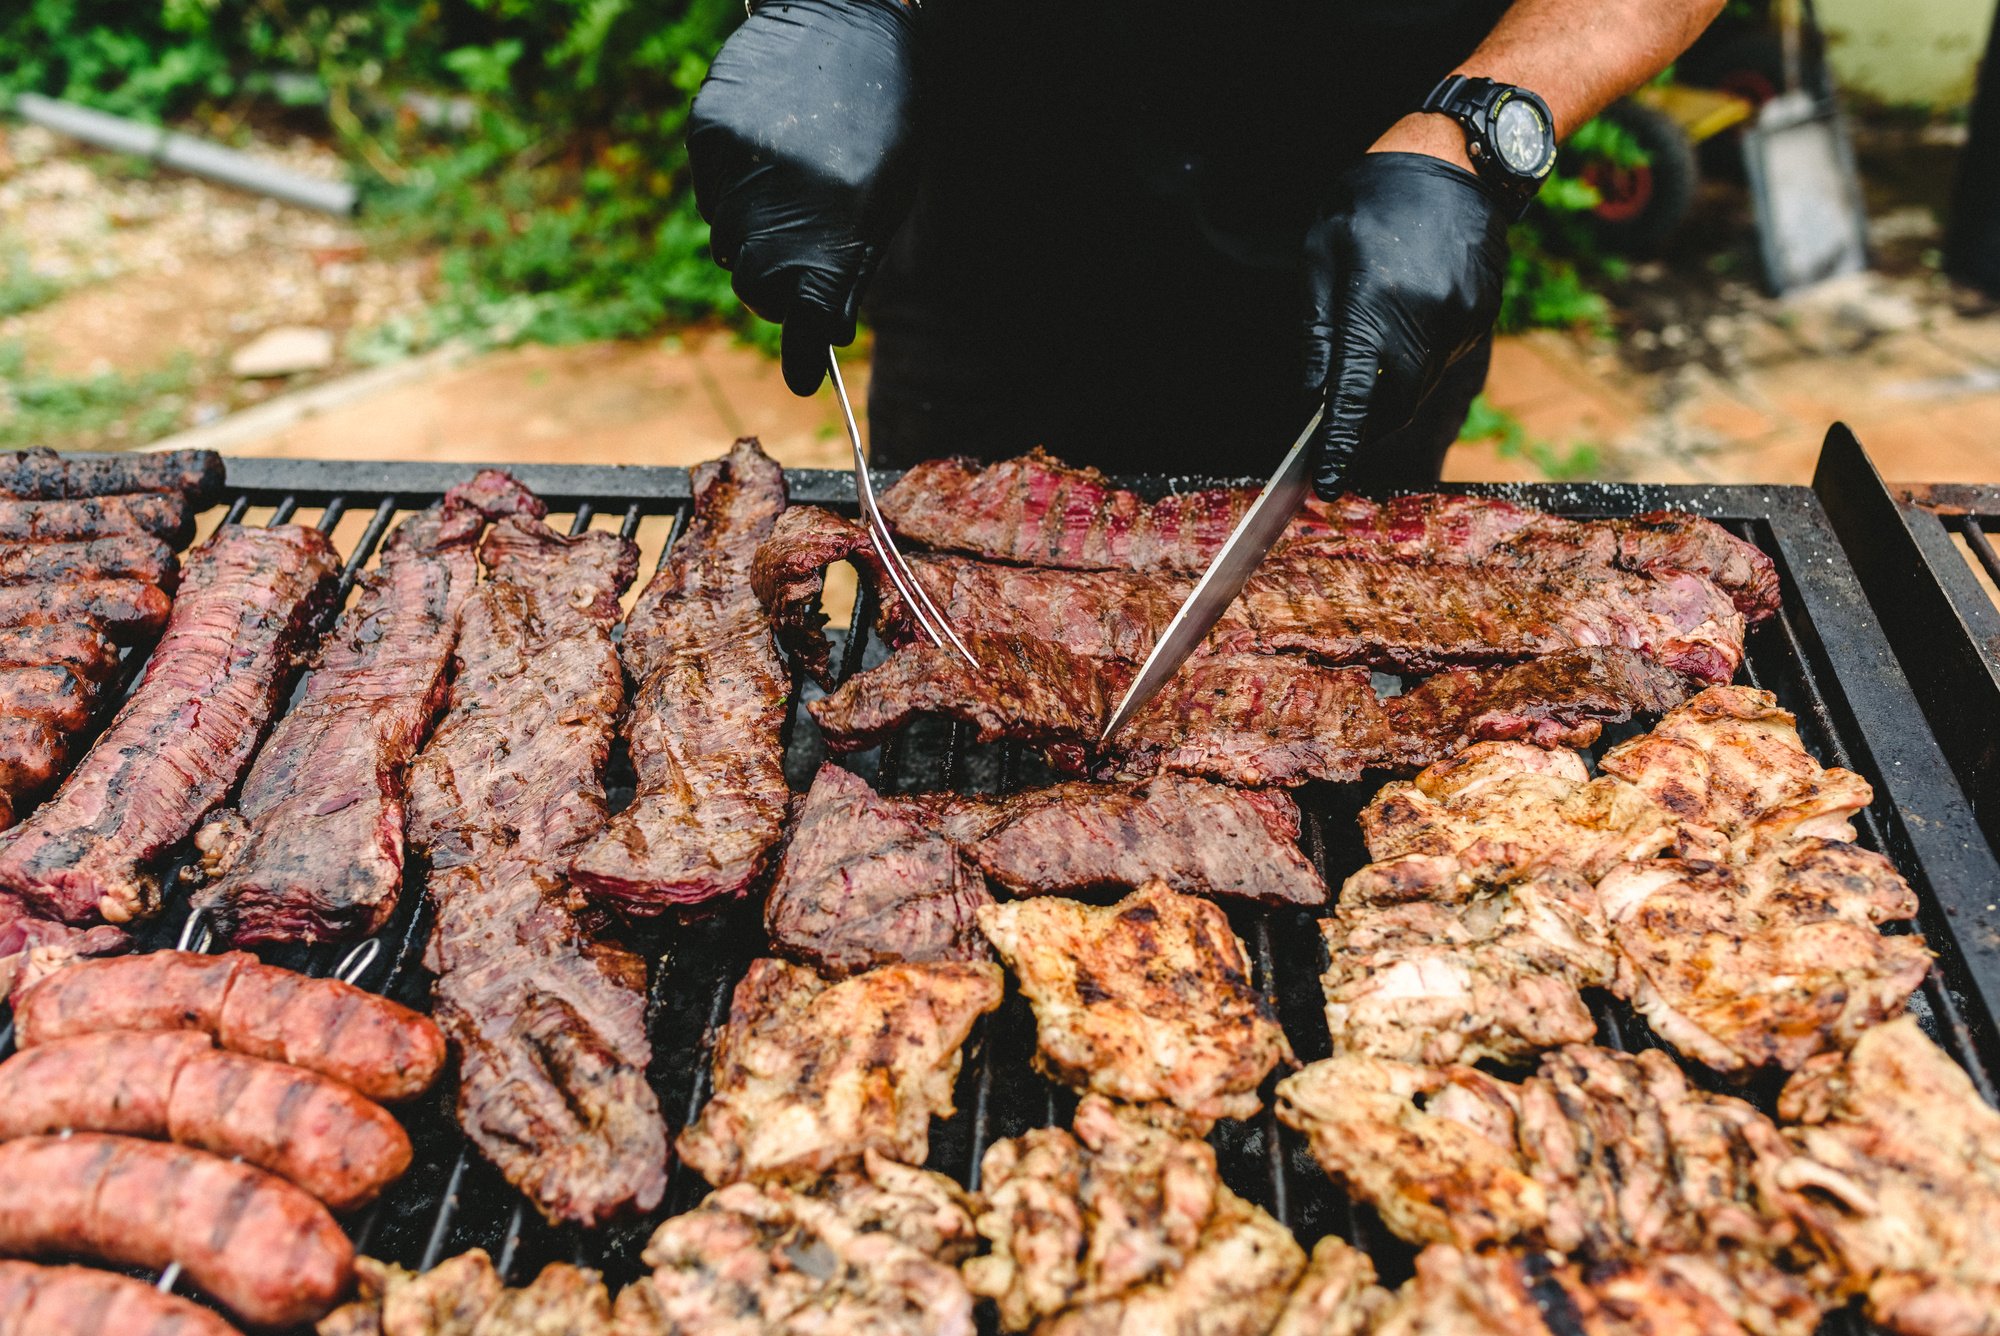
column 186, row 153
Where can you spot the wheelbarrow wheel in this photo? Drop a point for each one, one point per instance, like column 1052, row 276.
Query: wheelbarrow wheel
column 1641, row 207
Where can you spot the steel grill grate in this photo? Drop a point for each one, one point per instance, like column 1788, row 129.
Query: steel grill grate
column 1823, row 656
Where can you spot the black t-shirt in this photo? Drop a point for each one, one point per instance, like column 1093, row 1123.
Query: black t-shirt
column 1104, row 254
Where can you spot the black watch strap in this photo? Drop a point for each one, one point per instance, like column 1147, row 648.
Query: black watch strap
column 1475, row 104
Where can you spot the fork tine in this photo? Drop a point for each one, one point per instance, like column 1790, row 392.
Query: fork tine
column 929, row 619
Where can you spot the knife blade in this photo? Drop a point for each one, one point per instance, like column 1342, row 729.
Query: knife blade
column 1225, row 577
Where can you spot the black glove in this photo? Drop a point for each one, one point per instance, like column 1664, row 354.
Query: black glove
column 800, row 140
column 1403, row 277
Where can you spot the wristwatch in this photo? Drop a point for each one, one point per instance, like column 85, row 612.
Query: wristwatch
column 1509, row 134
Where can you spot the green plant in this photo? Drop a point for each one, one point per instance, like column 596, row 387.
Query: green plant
column 1555, row 267
column 22, row 288
column 1486, row 422
column 37, row 408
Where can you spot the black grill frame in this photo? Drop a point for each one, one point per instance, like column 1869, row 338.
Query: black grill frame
column 1824, row 655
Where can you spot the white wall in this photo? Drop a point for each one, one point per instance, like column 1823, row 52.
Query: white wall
column 1924, row 51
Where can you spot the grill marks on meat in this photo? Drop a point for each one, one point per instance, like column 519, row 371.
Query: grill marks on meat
column 548, row 1019
column 1148, row 1000
column 127, row 609
column 1198, row 837
column 1406, row 617
column 809, row 1075
column 1036, row 510
column 1898, row 1177
column 463, row 1295
column 1252, row 720
column 63, row 1300
column 1121, row 1225
column 179, row 743
column 309, row 1129
column 1507, row 879
column 166, row 516
column 874, row 1251
column 334, row 773
column 44, row 475
column 1770, row 963
column 1608, row 1156
column 870, row 881
column 382, row 1049
column 139, row 557
column 80, row 647
column 708, row 710
column 261, row 1247
column 1497, row 976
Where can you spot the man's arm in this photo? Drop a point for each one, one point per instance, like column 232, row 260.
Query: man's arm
column 1579, row 55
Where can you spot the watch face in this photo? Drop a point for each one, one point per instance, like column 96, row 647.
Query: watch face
column 1521, row 137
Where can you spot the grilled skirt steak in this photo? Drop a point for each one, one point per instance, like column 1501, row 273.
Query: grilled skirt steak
column 1038, row 511
column 1406, row 617
column 177, row 747
column 1201, row 838
column 44, row 475
column 1252, row 720
column 165, row 515
column 708, row 708
column 869, row 880
column 122, row 557
column 332, row 777
column 548, row 1020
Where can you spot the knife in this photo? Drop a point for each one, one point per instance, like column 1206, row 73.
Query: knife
column 1224, row 579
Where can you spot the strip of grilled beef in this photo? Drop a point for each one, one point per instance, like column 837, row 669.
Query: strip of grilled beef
column 177, row 747
column 165, row 515
column 43, row 475
column 32, row 946
column 1039, row 511
column 1201, row 838
column 127, row 610
column 870, row 880
column 548, row 1018
column 1407, row 617
column 81, row 647
column 1252, row 720
column 334, row 772
column 121, row 557
column 708, row 708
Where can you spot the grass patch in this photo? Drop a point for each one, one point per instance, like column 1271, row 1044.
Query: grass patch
column 106, row 411
column 1485, row 422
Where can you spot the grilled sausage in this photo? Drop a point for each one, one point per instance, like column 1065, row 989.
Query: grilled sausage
column 164, row 515
column 32, row 752
column 126, row 609
column 301, row 1126
column 78, row 646
column 48, row 692
column 72, row 1300
column 120, row 557
column 44, row 475
column 262, row 1248
column 385, row 1051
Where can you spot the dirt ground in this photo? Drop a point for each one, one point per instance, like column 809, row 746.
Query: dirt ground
column 114, row 277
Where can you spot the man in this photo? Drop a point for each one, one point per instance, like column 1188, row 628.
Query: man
column 1152, row 237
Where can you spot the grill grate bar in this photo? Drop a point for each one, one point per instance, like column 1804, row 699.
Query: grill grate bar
column 1973, row 529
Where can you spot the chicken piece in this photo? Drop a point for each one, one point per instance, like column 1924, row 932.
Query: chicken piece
column 1122, row 1226
column 1337, row 1296
column 1495, row 812
column 1468, row 1294
column 1898, row 1176
column 1495, row 977
column 1766, row 964
column 1149, row 999
column 808, row 1074
column 858, row 1253
column 464, row 1296
column 1731, row 761
column 1431, row 1148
